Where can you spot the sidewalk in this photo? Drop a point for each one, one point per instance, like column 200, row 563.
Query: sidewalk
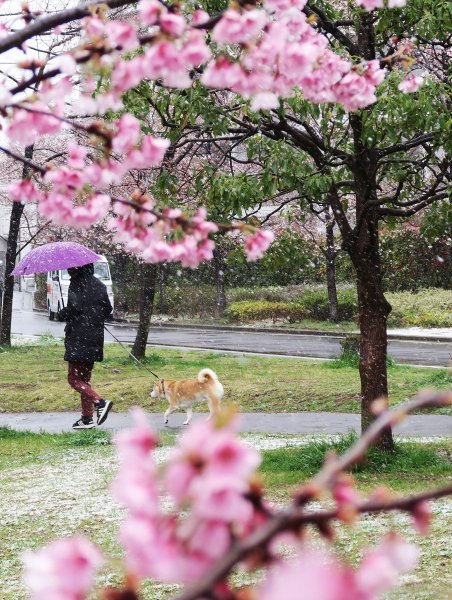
column 282, row 423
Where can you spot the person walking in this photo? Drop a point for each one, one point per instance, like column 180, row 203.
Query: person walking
column 87, row 308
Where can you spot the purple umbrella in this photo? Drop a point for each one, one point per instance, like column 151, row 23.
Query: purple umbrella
column 54, row 256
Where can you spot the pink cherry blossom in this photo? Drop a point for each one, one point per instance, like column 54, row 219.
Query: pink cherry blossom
column 195, row 51
column 122, row 35
column 127, row 134
column 221, row 498
column 24, row 191
column 137, row 443
column 235, row 27
column 228, row 456
column 150, row 11
column 25, row 126
column 284, row 5
column 222, row 74
column 381, row 566
column 345, row 493
column 149, row 154
column 210, row 538
column 127, row 74
column 311, row 576
column 93, row 210
column 94, row 26
column 76, row 155
column 64, row 570
column 411, row 84
column 354, row 91
column 373, row 73
column 257, row 244
column 172, row 23
column 151, row 548
column 421, row 517
column 200, row 17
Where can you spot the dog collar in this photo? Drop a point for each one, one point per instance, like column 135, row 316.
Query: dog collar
column 162, row 381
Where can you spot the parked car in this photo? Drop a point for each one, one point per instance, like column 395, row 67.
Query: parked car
column 58, row 285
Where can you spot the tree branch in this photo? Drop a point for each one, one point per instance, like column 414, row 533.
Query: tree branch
column 61, row 17
column 295, row 515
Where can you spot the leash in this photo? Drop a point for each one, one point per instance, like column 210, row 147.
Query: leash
column 131, row 355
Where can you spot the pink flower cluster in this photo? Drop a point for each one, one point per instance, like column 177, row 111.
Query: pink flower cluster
column 281, row 52
column 64, row 570
column 208, row 473
column 322, row 577
column 411, row 84
column 73, row 196
column 288, row 54
column 185, row 516
column 258, row 243
column 153, row 243
column 373, row 4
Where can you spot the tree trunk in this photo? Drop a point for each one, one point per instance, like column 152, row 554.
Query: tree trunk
column 373, row 311
column 330, row 255
column 162, row 289
column 220, row 265
column 6, row 307
column 148, row 276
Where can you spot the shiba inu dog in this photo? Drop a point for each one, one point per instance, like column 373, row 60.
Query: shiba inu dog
column 184, row 394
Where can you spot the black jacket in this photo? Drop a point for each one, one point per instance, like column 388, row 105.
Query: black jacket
column 87, row 308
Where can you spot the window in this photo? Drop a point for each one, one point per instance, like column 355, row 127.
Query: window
column 101, row 271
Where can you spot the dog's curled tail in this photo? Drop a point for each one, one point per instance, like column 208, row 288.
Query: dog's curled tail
column 205, row 375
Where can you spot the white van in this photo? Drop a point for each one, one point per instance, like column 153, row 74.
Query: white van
column 57, row 297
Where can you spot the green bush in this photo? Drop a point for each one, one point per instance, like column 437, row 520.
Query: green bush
column 315, row 302
column 311, row 304
column 190, row 301
column 430, row 307
column 257, row 310
column 269, row 294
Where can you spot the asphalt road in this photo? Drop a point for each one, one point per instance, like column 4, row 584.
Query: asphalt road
column 402, row 351
column 282, row 423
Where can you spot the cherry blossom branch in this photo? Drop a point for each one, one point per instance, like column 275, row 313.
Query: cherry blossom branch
column 24, row 160
column 291, row 519
column 43, row 24
column 295, row 515
column 181, row 221
column 326, row 477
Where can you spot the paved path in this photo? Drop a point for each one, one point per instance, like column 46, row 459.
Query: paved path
column 294, row 345
column 285, row 423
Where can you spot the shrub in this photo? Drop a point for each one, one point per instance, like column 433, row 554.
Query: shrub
column 190, row 301
column 310, row 304
column 252, row 310
column 317, row 306
column 430, row 307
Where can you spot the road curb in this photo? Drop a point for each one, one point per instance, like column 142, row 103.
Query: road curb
column 314, row 332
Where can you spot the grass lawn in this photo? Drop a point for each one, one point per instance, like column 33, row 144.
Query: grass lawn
column 33, row 378
column 57, row 485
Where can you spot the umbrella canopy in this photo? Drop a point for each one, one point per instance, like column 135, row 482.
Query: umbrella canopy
column 54, row 256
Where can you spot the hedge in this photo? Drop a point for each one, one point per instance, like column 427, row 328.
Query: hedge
column 426, row 308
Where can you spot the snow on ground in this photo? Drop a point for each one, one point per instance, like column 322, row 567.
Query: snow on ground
column 67, row 491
